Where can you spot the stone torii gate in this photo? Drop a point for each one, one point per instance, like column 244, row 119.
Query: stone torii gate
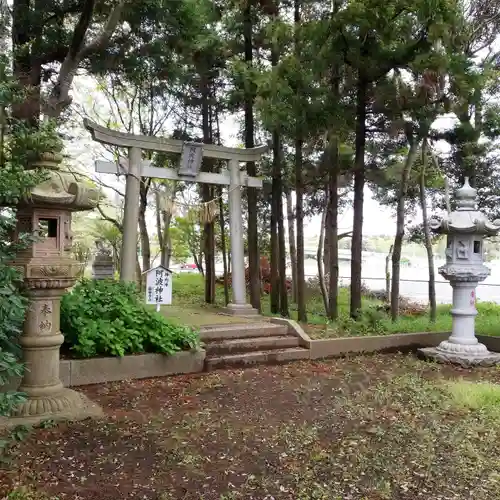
column 192, row 153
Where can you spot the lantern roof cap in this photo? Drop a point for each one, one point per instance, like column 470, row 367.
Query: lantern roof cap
column 466, row 219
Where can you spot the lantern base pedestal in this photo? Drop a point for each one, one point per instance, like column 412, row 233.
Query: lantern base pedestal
column 64, row 405
column 462, row 358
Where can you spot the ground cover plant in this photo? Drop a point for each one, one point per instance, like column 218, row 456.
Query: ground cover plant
column 374, row 319
column 109, row 318
column 383, row 427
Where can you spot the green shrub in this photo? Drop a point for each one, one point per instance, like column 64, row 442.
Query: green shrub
column 108, row 317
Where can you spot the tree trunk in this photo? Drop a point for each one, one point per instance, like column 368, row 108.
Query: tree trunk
column 27, row 71
column 299, row 211
column 359, row 186
column 282, row 251
column 252, row 194
column 166, row 249
column 159, row 229
column 223, row 245
column 446, row 180
column 275, row 204
column 427, row 236
column 299, row 182
column 144, row 236
column 198, row 260
column 331, row 221
column 163, row 220
column 116, row 258
column 275, row 280
column 208, row 251
column 388, row 274
column 5, row 37
column 138, row 272
column 319, row 259
column 331, row 230
column 327, row 243
column 291, row 242
column 207, row 192
column 400, row 227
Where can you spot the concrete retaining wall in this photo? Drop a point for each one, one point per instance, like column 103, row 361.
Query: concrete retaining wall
column 328, row 348
column 75, row 372
column 401, row 341
column 492, row 343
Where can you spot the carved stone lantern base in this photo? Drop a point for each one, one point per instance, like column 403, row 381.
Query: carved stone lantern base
column 64, row 404
column 462, row 348
column 476, row 356
column 45, row 281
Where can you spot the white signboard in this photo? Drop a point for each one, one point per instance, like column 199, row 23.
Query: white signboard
column 158, row 286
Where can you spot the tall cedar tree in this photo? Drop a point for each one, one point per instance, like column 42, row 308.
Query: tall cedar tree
column 252, row 195
column 376, row 37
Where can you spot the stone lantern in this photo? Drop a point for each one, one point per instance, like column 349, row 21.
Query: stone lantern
column 466, row 229
column 102, row 265
column 48, row 270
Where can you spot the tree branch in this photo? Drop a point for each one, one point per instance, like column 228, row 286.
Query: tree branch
column 403, row 57
column 113, row 221
column 109, row 28
column 81, row 30
column 59, row 98
column 341, row 236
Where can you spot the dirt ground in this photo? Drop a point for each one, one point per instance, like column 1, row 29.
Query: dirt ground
column 367, row 428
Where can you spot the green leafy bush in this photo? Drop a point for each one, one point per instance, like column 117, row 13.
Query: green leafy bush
column 108, row 317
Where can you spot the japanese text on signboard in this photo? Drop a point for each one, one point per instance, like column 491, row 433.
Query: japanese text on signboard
column 159, row 286
column 191, row 157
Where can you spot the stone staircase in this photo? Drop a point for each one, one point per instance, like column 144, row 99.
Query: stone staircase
column 240, row 345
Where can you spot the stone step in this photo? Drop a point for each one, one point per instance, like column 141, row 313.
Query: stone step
column 246, row 359
column 230, row 346
column 244, row 330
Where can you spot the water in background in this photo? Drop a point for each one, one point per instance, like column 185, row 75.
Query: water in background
column 374, row 278
column 413, row 278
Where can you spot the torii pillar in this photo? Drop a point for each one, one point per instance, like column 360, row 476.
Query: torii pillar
column 135, row 168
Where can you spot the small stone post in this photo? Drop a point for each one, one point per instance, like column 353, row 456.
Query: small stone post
column 48, row 271
column 466, row 228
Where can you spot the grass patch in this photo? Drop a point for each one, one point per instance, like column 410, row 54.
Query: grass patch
column 483, row 396
column 188, row 290
column 28, row 494
column 198, row 317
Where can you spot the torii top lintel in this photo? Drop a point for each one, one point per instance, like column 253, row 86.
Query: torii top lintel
column 114, row 138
